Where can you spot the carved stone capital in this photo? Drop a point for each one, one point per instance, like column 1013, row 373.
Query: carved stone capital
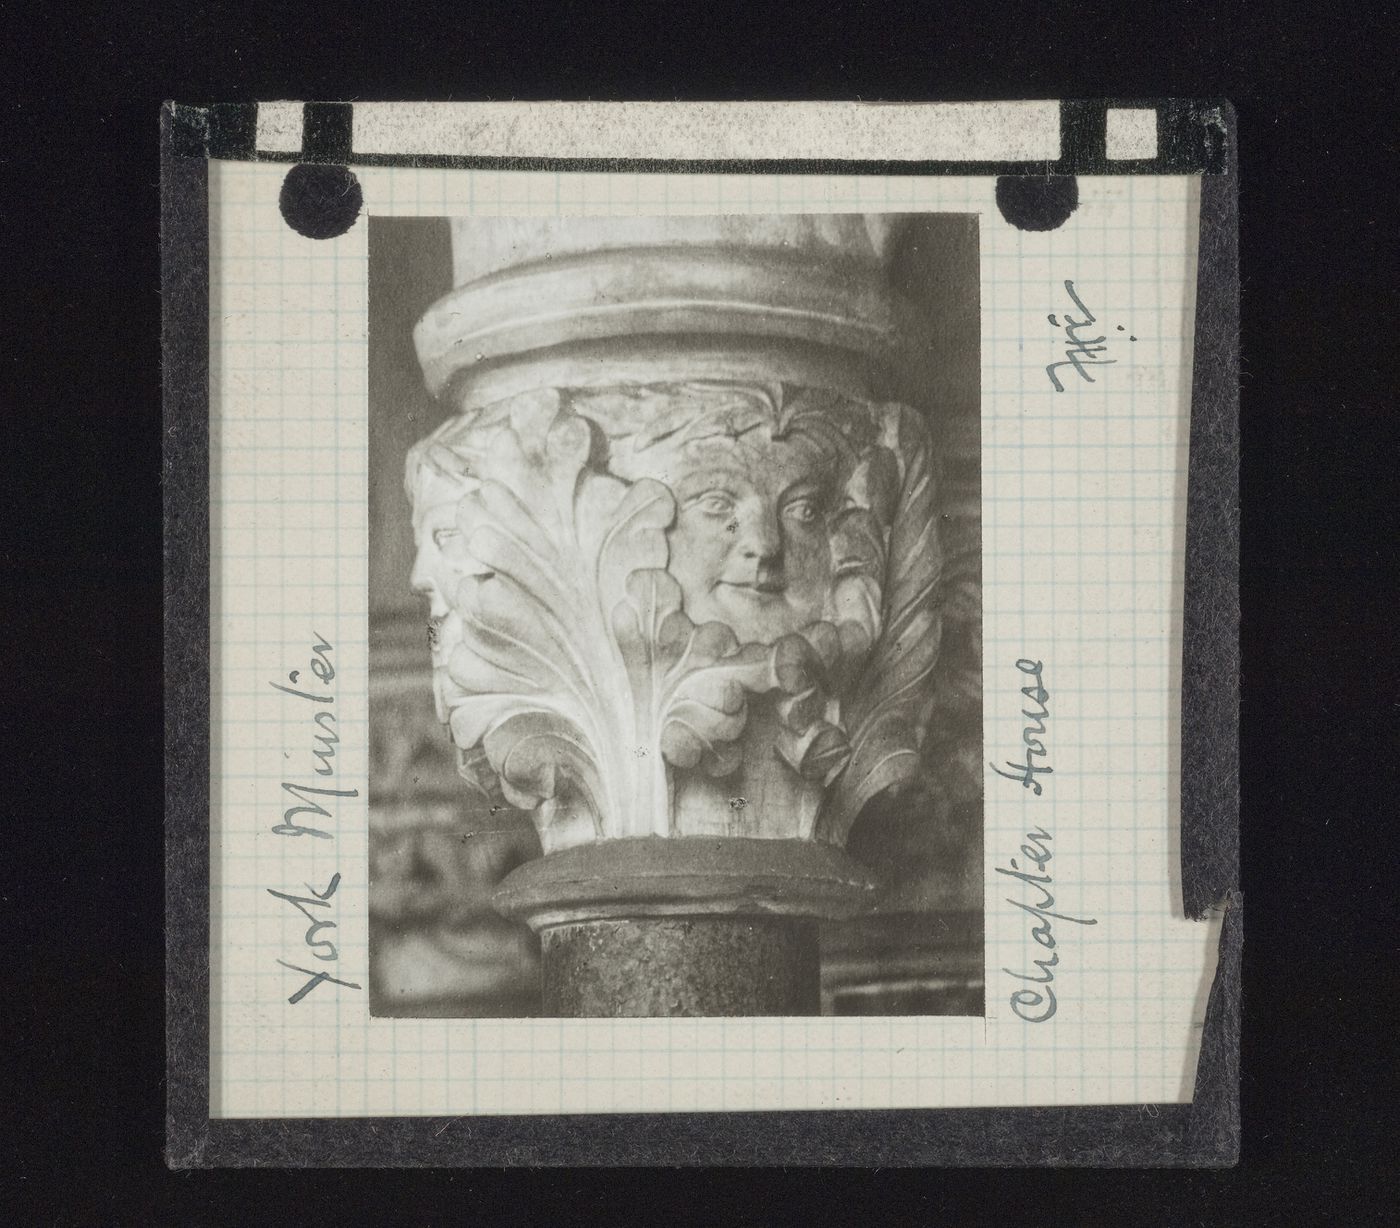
column 681, row 565
column 680, row 610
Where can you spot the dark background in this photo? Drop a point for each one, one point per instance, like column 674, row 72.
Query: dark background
column 81, row 589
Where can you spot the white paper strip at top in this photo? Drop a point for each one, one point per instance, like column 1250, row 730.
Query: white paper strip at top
column 1131, row 133
column 279, row 127
column 952, row 132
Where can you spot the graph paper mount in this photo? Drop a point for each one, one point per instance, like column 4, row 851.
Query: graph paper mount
column 1192, row 138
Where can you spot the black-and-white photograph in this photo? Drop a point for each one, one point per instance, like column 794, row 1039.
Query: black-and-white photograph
column 675, row 616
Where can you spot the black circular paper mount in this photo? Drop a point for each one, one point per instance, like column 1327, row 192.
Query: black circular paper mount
column 320, row 201
column 1037, row 202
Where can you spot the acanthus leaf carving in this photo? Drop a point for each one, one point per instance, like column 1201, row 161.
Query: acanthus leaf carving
column 582, row 686
column 886, row 713
column 579, row 674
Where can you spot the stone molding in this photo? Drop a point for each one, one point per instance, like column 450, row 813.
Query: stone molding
column 656, row 877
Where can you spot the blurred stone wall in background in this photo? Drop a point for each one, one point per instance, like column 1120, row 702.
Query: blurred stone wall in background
column 437, row 851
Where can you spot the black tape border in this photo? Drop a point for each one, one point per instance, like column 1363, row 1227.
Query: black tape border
column 1192, row 139
column 1204, row 1133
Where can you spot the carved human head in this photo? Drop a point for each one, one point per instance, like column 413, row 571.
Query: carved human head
column 780, row 521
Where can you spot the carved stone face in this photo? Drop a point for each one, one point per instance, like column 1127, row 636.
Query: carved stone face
column 441, row 562
column 750, row 546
